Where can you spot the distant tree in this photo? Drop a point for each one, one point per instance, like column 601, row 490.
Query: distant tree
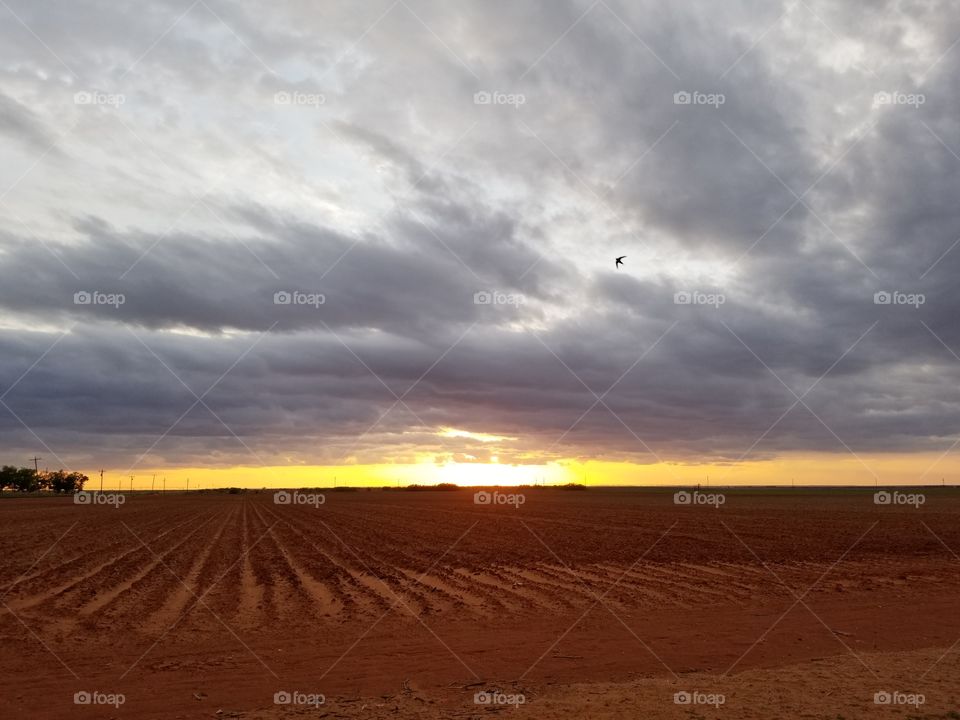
column 52, row 480
column 29, row 480
column 442, row 487
column 8, row 476
column 25, row 480
column 61, row 481
column 77, row 481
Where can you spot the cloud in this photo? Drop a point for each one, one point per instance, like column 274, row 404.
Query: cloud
column 22, row 125
column 758, row 231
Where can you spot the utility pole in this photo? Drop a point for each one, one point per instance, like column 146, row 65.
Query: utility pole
column 153, row 482
column 164, row 485
column 131, row 483
column 36, row 468
column 188, row 484
column 101, row 481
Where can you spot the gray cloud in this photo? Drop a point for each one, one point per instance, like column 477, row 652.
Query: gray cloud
column 397, row 198
column 21, row 124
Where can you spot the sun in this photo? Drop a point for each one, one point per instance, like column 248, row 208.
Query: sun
column 495, row 473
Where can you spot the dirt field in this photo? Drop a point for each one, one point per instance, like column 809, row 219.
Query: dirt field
column 604, row 603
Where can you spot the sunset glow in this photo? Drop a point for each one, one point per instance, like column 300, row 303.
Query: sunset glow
column 824, row 469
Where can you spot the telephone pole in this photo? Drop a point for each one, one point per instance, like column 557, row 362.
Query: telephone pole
column 35, row 460
column 188, row 484
column 101, row 481
column 131, row 483
column 152, row 482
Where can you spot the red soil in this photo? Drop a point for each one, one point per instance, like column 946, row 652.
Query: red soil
column 407, row 604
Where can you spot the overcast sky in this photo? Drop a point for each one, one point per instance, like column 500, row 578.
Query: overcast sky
column 172, row 172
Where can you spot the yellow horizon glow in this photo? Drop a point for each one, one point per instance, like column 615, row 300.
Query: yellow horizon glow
column 799, row 469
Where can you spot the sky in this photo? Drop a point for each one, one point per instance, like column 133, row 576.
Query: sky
column 279, row 243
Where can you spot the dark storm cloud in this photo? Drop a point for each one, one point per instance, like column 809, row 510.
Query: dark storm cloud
column 796, row 200
column 416, row 281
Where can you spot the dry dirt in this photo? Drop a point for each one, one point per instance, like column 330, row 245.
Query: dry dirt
column 603, row 603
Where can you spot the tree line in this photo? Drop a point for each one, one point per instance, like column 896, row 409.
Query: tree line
column 29, row 480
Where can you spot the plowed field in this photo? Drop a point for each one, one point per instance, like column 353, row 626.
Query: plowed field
column 400, row 604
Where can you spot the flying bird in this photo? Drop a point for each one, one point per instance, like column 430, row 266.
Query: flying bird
column 620, row 261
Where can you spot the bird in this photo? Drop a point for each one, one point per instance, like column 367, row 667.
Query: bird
column 620, row 261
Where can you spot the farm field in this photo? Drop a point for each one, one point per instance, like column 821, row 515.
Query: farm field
column 604, row 603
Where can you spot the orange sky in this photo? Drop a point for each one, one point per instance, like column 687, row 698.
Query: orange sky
column 804, row 469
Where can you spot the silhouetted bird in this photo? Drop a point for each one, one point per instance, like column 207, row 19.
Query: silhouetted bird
column 620, row 260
